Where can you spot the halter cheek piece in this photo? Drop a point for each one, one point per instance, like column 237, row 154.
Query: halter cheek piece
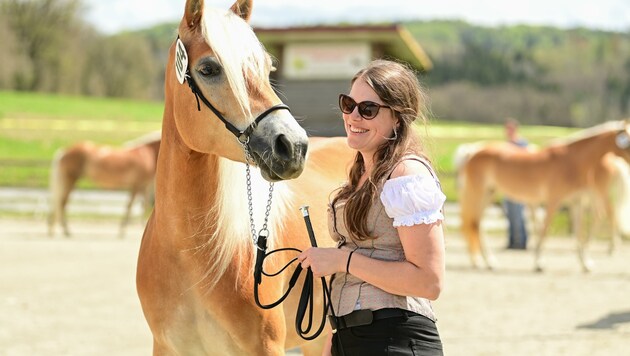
column 242, row 136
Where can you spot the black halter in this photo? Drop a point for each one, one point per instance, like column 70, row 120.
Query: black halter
column 242, row 136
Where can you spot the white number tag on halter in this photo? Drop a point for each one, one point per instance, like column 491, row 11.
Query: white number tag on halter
column 181, row 61
column 623, row 140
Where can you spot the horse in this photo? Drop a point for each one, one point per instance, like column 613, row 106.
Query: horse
column 129, row 167
column 195, row 266
column 548, row 176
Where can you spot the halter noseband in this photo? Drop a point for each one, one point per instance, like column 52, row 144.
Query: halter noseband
column 242, row 136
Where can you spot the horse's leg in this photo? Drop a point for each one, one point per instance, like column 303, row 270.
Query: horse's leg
column 486, row 253
column 577, row 210
column 67, row 187
column 542, row 234
column 55, row 187
column 125, row 220
column 611, row 213
column 535, row 223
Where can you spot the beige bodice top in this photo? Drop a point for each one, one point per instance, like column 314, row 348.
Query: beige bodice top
column 405, row 200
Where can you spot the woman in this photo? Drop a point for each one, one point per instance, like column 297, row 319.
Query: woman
column 387, row 220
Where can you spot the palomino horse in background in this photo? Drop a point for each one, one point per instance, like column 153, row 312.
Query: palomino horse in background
column 195, row 266
column 549, row 177
column 131, row 167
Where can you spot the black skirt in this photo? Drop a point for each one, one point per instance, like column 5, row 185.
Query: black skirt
column 409, row 334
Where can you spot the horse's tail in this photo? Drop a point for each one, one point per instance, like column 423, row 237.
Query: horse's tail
column 55, row 189
column 621, row 195
column 474, row 194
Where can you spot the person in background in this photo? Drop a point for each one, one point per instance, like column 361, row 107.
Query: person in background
column 387, row 221
column 517, row 231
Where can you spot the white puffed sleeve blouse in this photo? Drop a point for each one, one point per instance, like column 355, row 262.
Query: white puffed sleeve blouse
column 414, row 199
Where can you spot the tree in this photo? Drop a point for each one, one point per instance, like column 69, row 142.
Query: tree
column 16, row 66
column 120, row 66
column 50, row 33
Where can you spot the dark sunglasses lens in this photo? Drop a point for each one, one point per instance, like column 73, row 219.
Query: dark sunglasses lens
column 346, row 104
column 368, row 110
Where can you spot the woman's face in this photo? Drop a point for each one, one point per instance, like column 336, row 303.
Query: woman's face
column 364, row 135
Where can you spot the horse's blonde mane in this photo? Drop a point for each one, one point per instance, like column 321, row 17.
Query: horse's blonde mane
column 226, row 229
column 237, row 49
column 589, row 132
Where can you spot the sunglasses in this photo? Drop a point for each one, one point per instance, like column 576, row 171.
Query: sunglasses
column 367, row 109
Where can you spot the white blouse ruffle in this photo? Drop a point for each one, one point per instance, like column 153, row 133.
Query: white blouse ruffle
column 411, row 200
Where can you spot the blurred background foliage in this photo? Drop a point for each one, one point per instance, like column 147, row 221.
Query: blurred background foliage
column 540, row 75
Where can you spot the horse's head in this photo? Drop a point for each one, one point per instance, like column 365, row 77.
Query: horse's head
column 622, row 141
column 218, row 55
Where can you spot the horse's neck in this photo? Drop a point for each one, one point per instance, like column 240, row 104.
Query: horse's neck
column 592, row 149
column 186, row 178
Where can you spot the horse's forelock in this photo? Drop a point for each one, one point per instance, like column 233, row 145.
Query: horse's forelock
column 237, row 49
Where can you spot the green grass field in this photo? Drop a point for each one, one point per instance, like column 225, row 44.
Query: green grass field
column 33, row 126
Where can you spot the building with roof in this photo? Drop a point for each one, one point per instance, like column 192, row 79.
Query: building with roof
column 315, row 64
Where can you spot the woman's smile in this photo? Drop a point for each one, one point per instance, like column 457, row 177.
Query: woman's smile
column 357, row 130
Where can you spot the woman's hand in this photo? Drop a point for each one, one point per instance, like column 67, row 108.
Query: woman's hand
column 323, row 261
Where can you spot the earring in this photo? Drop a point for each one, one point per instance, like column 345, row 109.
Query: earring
column 392, row 138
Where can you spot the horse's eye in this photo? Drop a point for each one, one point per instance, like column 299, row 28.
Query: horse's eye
column 210, row 70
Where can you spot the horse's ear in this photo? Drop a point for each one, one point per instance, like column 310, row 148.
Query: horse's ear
column 243, row 8
column 194, row 11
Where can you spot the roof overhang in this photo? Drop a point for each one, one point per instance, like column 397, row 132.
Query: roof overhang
column 396, row 41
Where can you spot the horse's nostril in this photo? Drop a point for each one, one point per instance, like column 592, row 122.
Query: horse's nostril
column 283, row 147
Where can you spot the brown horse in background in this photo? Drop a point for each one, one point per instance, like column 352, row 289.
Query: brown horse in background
column 196, row 261
column 549, row 176
column 131, row 167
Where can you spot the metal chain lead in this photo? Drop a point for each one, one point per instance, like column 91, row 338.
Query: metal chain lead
column 250, row 200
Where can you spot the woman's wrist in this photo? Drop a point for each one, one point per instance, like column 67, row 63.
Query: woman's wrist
column 348, row 261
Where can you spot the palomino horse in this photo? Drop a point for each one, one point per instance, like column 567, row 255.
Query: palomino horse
column 131, row 167
column 549, row 177
column 196, row 261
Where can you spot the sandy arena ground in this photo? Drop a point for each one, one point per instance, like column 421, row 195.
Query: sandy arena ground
column 77, row 297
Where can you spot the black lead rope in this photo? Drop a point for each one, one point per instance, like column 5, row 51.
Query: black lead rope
column 306, row 303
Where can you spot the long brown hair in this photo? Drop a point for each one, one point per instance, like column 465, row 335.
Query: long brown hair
column 398, row 87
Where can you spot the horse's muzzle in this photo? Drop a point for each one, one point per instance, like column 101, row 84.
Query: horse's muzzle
column 278, row 147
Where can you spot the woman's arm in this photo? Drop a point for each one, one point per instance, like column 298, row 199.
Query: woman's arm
column 419, row 275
